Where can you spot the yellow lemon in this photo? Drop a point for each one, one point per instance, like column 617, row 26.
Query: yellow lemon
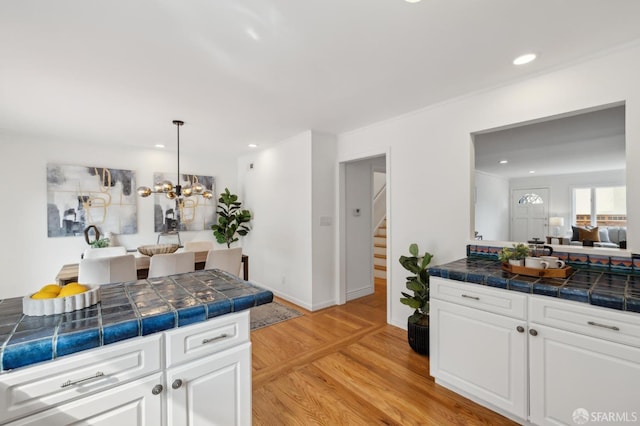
column 51, row 288
column 44, row 295
column 71, row 289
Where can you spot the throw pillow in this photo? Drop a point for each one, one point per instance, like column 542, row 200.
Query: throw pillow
column 589, row 234
column 575, row 236
column 604, row 235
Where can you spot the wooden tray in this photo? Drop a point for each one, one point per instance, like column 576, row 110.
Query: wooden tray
column 535, row 272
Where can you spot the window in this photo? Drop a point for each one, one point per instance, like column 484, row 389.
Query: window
column 600, row 206
column 530, row 199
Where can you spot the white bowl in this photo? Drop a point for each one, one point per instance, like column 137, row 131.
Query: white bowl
column 61, row 305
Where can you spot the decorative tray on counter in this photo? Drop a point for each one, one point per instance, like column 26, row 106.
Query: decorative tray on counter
column 535, row 272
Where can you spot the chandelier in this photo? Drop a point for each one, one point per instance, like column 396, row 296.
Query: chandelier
column 176, row 192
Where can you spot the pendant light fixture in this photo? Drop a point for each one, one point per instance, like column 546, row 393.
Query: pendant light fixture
column 177, row 191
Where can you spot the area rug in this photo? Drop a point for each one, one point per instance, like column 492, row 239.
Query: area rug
column 271, row 313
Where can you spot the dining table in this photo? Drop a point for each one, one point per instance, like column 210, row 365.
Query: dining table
column 69, row 273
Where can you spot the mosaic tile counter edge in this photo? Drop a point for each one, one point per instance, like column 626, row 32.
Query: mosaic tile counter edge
column 127, row 310
column 615, row 288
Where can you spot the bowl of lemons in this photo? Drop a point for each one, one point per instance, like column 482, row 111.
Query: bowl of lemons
column 54, row 299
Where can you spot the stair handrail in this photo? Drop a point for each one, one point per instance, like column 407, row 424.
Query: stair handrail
column 379, row 208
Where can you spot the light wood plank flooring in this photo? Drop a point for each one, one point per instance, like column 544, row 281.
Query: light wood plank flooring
column 345, row 366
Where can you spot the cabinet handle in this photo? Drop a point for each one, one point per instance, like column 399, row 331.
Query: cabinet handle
column 157, row 390
column 471, row 297
column 70, row 383
column 533, row 332
column 520, row 329
column 213, row 339
column 176, row 384
column 610, row 327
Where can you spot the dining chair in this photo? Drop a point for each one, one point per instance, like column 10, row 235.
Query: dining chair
column 103, row 270
column 198, row 245
column 92, row 253
column 162, row 265
column 228, row 260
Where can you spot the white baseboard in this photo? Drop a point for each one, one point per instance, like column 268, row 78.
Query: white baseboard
column 296, row 301
column 365, row 291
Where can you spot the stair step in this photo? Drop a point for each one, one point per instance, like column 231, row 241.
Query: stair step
column 380, row 267
column 379, row 256
column 380, row 274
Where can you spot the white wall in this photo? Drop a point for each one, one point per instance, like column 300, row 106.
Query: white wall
column 278, row 191
column 358, row 226
column 492, row 206
column 430, row 166
column 323, row 214
column 29, row 258
column 291, row 190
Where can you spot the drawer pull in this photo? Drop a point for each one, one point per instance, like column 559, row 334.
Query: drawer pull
column 70, row 383
column 177, row 383
column 520, row 329
column 610, row 327
column 157, row 389
column 213, row 339
column 470, row 297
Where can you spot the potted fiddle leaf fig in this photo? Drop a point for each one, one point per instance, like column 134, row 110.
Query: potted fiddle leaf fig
column 233, row 220
column 418, row 283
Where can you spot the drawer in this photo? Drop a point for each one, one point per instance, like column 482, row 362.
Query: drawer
column 33, row 389
column 503, row 302
column 609, row 324
column 201, row 339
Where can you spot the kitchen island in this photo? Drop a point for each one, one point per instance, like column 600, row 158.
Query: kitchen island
column 167, row 350
column 539, row 350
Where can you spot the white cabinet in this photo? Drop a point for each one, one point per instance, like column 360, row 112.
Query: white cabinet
column 209, row 374
column 592, row 364
column 215, row 390
column 194, row 375
column 37, row 388
column 133, row 404
column 541, row 363
column 476, row 351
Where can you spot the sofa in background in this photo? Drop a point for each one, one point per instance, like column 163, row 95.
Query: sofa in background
column 608, row 237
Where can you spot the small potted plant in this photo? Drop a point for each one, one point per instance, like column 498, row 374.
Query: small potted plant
column 418, row 283
column 514, row 256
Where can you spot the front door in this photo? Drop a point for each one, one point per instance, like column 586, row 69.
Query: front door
column 529, row 213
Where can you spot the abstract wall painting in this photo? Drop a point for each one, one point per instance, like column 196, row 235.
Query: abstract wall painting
column 79, row 196
column 193, row 213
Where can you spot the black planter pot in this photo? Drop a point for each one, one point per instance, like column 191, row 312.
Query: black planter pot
column 418, row 336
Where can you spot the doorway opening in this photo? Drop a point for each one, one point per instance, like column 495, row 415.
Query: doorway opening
column 364, row 229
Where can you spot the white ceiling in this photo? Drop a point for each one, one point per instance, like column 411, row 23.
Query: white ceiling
column 259, row 71
column 588, row 141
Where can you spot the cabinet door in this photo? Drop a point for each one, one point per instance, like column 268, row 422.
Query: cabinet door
column 570, row 371
column 127, row 405
column 480, row 353
column 215, row 390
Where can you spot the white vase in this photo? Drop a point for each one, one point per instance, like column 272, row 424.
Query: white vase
column 516, row 262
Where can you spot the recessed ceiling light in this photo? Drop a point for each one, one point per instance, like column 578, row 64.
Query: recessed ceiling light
column 252, row 145
column 503, row 161
column 159, row 145
column 532, row 171
column 524, row 59
column 412, row 1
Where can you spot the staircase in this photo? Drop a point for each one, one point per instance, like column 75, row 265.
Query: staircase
column 380, row 251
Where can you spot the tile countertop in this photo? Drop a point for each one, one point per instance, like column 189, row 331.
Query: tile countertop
column 597, row 286
column 127, row 310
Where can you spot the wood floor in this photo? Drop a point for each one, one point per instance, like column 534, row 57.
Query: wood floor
column 345, row 366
